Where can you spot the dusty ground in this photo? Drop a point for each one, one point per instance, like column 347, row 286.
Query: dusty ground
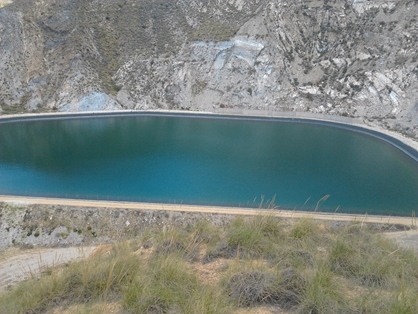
column 4, row 2
column 64, row 224
column 18, row 266
column 405, row 238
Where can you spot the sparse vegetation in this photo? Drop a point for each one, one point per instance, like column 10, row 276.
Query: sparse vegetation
column 12, row 109
column 303, row 267
column 213, row 31
column 4, row 3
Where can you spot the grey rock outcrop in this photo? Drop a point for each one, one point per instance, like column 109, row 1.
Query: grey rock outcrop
column 340, row 57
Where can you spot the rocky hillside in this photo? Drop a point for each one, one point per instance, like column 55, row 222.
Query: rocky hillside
column 340, row 57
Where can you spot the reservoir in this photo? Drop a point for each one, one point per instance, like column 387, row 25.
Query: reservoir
column 208, row 160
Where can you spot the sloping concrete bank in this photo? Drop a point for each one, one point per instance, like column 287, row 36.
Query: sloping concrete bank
column 29, row 222
column 405, row 144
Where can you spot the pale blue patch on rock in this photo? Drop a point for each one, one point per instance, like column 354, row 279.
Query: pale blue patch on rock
column 247, row 49
column 66, row 108
column 240, row 47
column 93, row 102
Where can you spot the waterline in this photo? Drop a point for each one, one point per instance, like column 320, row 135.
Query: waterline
column 288, row 214
column 205, row 159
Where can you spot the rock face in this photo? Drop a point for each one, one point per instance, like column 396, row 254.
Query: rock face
column 340, row 57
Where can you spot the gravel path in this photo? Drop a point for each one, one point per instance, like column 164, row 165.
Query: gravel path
column 408, row 239
column 26, row 265
column 4, row 2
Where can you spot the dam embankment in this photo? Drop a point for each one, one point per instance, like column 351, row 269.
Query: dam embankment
column 28, row 221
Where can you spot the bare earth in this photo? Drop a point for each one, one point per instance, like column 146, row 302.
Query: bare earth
column 19, row 265
column 4, row 2
column 28, row 264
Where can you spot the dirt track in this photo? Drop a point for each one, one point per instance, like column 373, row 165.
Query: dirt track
column 5, row 2
column 26, row 265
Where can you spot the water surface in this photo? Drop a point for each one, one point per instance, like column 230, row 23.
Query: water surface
column 207, row 161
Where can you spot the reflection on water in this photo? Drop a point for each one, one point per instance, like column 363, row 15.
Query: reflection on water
column 210, row 161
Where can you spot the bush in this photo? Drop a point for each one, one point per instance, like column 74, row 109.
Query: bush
column 255, row 236
column 323, row 294
column 370, row 259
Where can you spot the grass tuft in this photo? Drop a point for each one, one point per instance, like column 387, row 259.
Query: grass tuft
column 253, row 287
column 323, row 292
column 169, row 285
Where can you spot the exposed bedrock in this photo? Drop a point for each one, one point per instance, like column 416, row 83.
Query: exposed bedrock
column 340, row 57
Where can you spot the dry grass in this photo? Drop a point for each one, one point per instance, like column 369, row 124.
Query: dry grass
column 257, row 265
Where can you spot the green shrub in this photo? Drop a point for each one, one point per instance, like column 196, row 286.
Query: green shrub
column 241, row 234
column 303, row 228
column 370, row 259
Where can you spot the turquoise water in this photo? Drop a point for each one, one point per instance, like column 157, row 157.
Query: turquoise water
column 207, row 161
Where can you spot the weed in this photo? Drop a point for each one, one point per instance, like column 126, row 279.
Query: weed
column 205, row 232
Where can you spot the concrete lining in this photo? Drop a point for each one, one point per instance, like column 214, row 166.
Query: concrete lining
column 288, row 214
column 407, row 146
